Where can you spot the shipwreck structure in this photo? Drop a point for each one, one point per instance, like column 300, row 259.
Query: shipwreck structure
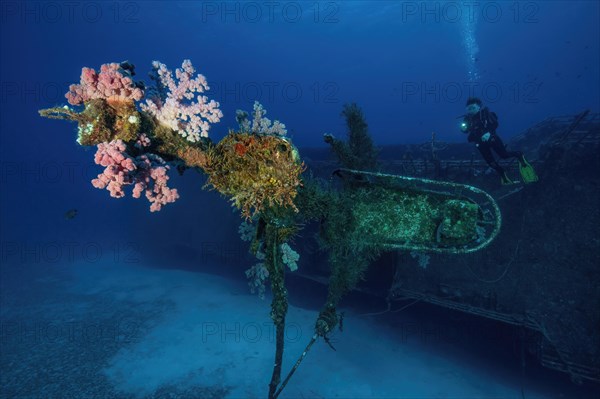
column 541, row 272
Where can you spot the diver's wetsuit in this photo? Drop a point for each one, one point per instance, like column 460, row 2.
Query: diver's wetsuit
column 480, row 123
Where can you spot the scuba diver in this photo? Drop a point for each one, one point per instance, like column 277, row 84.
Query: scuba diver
column 481, row 124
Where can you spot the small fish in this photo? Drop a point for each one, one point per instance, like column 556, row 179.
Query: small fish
column 70, row 214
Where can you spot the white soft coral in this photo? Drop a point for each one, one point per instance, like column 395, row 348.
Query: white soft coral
column 178, row 111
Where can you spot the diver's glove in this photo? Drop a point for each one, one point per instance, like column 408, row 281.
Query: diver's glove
column 486, row 137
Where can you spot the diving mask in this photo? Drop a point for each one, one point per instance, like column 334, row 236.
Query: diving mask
column 472, row 109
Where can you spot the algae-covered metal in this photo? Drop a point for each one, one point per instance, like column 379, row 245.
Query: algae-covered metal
column 402, row 212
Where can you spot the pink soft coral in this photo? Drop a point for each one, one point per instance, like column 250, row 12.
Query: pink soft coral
column 152, row 179
column 113, row 84
column 147, row 172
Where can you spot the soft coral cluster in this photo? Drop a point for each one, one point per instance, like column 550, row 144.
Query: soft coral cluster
column 174, row 105
column 147, row 173
column 113, row 118
column 113, row 83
